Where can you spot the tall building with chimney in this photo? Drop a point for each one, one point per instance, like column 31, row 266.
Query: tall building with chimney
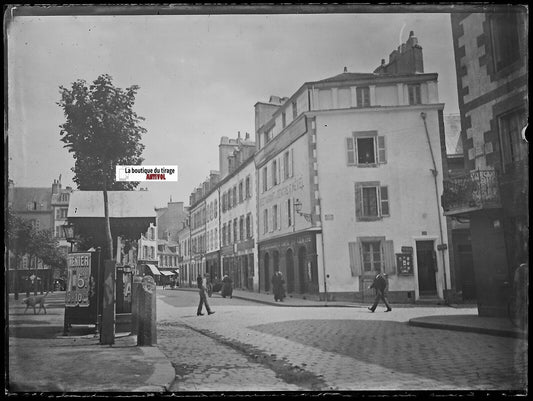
column 349, row 177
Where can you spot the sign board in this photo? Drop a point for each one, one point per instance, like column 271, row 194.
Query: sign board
column 442, row 247
column 404, row 263
column 78, row 280
column 407, row 249
column 328, row 216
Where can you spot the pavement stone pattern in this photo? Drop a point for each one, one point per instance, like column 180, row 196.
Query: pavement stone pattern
column 352, row 349
column 202, row 364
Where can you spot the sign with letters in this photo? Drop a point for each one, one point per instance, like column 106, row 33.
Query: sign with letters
column 78, row 279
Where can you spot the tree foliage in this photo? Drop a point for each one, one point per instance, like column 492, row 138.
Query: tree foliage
column 101, row 131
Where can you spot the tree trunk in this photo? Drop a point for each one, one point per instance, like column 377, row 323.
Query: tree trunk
column 109, row 238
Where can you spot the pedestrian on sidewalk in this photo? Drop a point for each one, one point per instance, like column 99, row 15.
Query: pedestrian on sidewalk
column 203, row 297
column 380, row 285
column 277, row 286
column 227, row 287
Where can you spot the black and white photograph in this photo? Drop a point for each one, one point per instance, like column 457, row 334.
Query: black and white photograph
column 281, row 200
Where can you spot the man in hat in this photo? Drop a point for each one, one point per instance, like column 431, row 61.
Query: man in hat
column 380, row 284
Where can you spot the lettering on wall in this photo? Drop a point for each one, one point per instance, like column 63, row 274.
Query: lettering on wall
column 286, row 190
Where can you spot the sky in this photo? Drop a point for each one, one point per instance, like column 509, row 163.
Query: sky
column 199, row 77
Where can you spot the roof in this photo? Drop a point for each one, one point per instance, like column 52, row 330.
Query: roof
column 349, row 76
column 122, row 204
column 22, row 195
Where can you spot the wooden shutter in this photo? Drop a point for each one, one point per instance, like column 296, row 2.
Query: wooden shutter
column 382, row 156
column 384, row 198
column 355, row 258
column 350, row 151
column 358, row 200
column 389, row 257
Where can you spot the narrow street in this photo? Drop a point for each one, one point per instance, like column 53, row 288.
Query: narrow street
column 245, row 346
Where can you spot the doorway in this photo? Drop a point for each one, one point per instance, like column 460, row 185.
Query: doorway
column 427, row 267
column 302, row 270
column 289, row 263
column 466, row 262
column 266, row 266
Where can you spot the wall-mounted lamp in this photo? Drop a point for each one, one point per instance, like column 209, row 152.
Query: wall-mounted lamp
column 298, row 208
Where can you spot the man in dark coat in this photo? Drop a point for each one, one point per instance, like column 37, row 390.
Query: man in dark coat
column 380, row 284
column 203, row 298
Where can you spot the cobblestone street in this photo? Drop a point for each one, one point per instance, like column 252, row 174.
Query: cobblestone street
column 331, row 348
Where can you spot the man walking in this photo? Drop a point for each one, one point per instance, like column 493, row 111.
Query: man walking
column 203, row 297
column 380, row 284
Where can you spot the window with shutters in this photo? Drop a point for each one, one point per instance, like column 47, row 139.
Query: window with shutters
column 513, row 147
column 371, row 254
column 365, row 149
column 371, row 201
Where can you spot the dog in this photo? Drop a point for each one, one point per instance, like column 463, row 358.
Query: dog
column 34, row 301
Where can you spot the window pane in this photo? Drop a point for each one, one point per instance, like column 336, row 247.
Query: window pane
column 365, row 151
column 370, row 205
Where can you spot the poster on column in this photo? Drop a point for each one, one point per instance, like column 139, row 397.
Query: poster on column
column 78, row 279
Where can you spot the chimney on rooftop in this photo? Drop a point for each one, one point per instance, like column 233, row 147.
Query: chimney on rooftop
column 345, row 69
column 406, row 59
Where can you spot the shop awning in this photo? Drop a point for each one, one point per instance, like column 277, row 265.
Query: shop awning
column 167, row 273
column 154, row 270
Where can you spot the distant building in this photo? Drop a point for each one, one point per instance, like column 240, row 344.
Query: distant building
column 492, row 78
column 39, row 207
column 59, row 202
column 169, row 220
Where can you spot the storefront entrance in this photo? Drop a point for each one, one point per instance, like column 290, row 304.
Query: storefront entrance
column 427, row 267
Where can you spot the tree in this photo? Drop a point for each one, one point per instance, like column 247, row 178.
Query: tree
column 102, row 131
column 19, row 232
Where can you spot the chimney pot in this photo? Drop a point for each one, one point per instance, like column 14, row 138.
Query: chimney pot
column 412, row 33
column 345, row 69
column 382, row 61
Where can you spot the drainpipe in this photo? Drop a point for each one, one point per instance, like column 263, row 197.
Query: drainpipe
column 435, row 173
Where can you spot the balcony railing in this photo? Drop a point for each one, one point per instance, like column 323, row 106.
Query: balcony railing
column 474, row 191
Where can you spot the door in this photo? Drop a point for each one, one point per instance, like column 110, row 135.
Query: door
column 289, row 263
column 267, row 271
column 427, row 268
column 302, row 270
column 466, row 263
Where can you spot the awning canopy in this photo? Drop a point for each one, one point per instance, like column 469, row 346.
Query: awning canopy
column 167, row 273
column 154, row 270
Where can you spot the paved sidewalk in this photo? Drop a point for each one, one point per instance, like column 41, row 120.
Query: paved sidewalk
column 467, row 322
column 41, row 359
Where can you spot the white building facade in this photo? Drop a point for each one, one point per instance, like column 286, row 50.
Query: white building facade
column 349, row 183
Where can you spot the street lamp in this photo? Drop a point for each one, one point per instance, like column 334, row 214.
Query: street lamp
column 68, row 231
column 298, row 208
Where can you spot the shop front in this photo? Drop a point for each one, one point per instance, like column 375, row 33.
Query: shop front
column 212, row 265
column 238, row 264
column 296, row 257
